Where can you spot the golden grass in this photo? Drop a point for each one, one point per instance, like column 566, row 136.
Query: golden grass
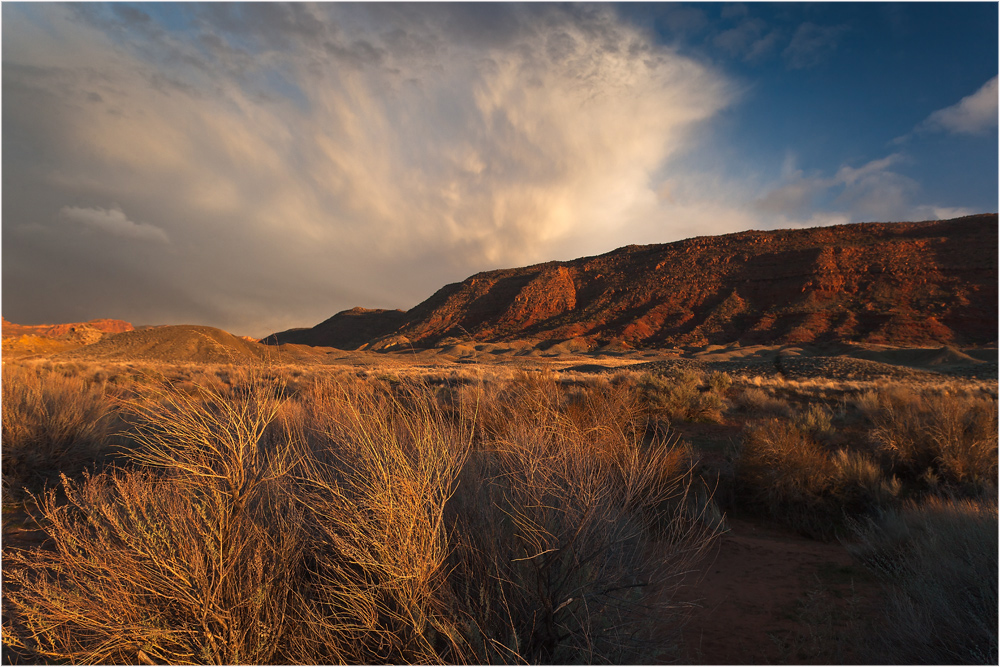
column 939, row 438
column 51, row 423
column 355, row 520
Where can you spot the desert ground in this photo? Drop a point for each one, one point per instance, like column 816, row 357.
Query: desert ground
column 757, row 504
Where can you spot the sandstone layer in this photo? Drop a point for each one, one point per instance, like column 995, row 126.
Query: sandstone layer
column 917, row 284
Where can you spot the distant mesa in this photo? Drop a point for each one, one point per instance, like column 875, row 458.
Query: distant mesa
column 915, row 284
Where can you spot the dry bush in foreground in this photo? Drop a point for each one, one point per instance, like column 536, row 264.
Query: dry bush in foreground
column 52, row 423
column 572, row 534
column 939, row 562
column 196, row 564
column 359, row 522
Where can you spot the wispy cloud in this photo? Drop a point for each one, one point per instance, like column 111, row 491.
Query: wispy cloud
column 812, row 45
column 113, row 221
column 752, row 40
column 337, row 154
column 974, row 114
column 871, row 192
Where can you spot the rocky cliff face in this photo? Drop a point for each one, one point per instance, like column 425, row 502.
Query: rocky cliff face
column 893, row 283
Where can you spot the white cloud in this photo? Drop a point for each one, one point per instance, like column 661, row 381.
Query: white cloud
column 113, row 221
column 347, row 154
column 869, row 193
column 974, row 114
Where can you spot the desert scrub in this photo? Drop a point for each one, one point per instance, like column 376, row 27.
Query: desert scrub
column 938, row 561
column 52, row 423
column 570, row 537
column 784, row 472
column 757, row 402
column 935, row 440
column 816, row 420
column 357, row 522
column 678, row 395
column 194, row 558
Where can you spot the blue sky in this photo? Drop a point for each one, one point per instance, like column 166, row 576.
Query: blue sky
column 257, row 167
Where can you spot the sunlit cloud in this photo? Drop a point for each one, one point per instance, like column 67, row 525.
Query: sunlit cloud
column 328, row 150
column 271, row 164
column 974, row 114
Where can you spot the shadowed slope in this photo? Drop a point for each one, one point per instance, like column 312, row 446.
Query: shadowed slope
column 347, row 330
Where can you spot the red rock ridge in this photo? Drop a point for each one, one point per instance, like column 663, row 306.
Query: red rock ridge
column 925, row 283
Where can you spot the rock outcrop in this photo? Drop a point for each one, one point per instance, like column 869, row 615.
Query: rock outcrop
column 924, row 283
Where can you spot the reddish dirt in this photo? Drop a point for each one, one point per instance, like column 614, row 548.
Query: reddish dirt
column 767, row 595
column 924, row 283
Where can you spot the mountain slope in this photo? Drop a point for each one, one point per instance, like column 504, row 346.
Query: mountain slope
column 893, row 283
column 175, row 343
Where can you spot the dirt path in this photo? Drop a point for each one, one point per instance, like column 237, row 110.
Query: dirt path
column 770, row 596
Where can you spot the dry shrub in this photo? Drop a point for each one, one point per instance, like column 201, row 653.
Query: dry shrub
column 816, row 420
column 936, row 438
column 358, row 522
column 194, row 564
column 678, row 395
column 758, row 402
column 374, row 500
column 783, row 471
column 939, row 562
column 52, row 423
column 571, row 538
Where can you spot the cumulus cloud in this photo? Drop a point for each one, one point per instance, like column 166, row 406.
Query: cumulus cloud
column 113, row 221
column 301, row 159
column 974, row 114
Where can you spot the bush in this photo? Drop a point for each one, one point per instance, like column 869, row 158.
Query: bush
column 932, row 439
column 816, row 420
column 195, row 564
column 677, row 396
column 756, row 401
column 782, row 471
column 51, row 424
column 570, row 537
column 360, row 523
column 938, row 560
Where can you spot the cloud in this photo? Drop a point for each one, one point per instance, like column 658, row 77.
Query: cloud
column 812, row 45
column 872, row 192
column 302, row 159
column 974, row 114
column 113, row 221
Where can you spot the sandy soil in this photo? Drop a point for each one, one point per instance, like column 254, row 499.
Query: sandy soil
column 767, row 595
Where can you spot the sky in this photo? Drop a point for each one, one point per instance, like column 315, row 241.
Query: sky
column 262, row 166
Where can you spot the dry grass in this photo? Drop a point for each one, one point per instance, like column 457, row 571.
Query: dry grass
column 939, row 562
column 52, row 422
column 364, row 521
column 939, row 439
column 685, row 395
column 784, row 472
